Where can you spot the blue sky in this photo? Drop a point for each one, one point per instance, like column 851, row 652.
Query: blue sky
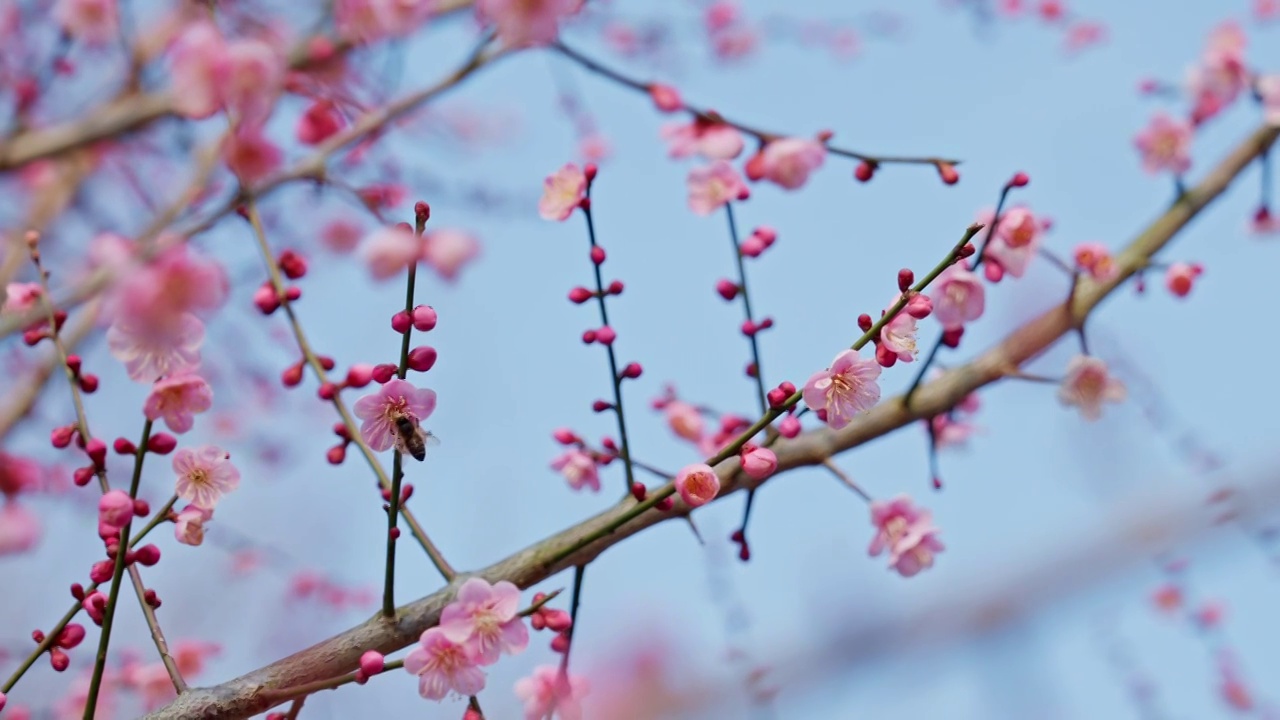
column 1003, row 98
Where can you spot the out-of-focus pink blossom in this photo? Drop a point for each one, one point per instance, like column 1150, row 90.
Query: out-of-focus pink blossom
column 549, row 694
column 483, row 616
column 579, row 469
column 958, row 297
column 188, row 529
column 845, row 389
column 156, row 298
column 92, row 21
column 448, row 250
column 178, row 399
column 714, row 185
column 372, row 20
column 527, row 22
column 758, row 462
column 443, row 666
column 394, row 400
column 199, row 64
column 115, row 509
column 19, row 528
column 789, row 161
column 1165, row 145
column 1220, row 76
column 253, row 78
column 1180, row 277
column 205, row 474
column 684, row 420
column 389, row 251
column 1088, row 384
column 562, row 193
column 17, row 474
column 250, row 155
column 711, row 140
column 20, row 297
column 906, row 532
column 1095, row 259
column 341, row 235
column 1016, row 242
column 1268, row 87
column 147, row 357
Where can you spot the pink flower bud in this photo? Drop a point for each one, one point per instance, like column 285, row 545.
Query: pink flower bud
column 424, row 318
column 61, row 436
column 951, row 338
column 141, row 508
column 615, row 288
column 600, row 406
column 70, row 636
column 358, row 376
column 757, row 462
column 727, row 289
column 789, row 427
column 588, row 336
column 905, row 279
column 97, row 452
column 327, row 391
column 885, row 356
column 777, row 397
column 606, row 335
column 1019, row 180
column 665, row 98
column 919, row 307
column 752, row 247
column 639, row 491
column 82, row 475
column 665, row 504
column 565, row 436
column 147, row 555
column 948, row 173
column 865, row 323
column 336, row 454
column 292, row 375
column 597, row 255
column 400, row 322
column 864, row 172
column 632, row 371
column 124, row 446
column 115, row 508
column 383, row 372
column 422, row 358
column 560, row 643
column 579, row 295
column 292, row 264
column 992, row 271
column 372, row 662
column 58, row 659
column 557, row 620
column 162, row 443
column 88, row 383
column 265, row 299
column 101, row 572
column 697, row 484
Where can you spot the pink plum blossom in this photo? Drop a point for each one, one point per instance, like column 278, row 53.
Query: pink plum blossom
column 906, row 532
column 758, row 462
column 527, row 22
column 1016, row 241
column 789, row 161
column 20, row 297
column 1181, row 277
column 199, row 62
column 178, row 399
column 447, row 251
column 898, row 336
column 115, row 509
column 156, row 297
column 1095, row 259
column 958, row 297
column 483, row 617
column 443, row 666
column 147, row 357
column 579, row 469
column 371, row 20
column 1087, row 385
column 950, row 430
column 1268, row 87
column 390, row 251
column 562, row 193
column 684, row 420
column 18, row 474
column 205, row 474
column 698, row 484
column 1221, row 74
column 19, row 528
column 845, row 389
column 188, row 529
column 254, row 74
column 711, row 140
column 93, row 21
column 250, row 155
column 548, row 693
column 714, row 185
column 396, row 399
column 1165, row 145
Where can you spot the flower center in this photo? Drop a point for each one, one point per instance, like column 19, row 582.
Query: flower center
column 199, row 476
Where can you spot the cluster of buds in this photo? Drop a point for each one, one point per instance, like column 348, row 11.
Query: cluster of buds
column 557, row 621
column 69, row 637
column 293, row 266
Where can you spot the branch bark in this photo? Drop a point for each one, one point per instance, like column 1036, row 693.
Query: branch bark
column 248, row 695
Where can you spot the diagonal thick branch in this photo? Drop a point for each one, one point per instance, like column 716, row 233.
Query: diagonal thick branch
column 251, row 694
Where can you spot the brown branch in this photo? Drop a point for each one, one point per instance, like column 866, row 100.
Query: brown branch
column 251, row 694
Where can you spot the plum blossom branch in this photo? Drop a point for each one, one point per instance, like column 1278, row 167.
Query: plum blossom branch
column 582, row 543
column 313, row 361
column 763, row 136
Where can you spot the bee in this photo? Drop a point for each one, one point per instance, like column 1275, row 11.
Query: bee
column 413, row 439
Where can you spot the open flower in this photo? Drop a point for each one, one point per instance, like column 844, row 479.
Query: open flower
column 958, row 297
column 711, row 140
column 1088, row 384
column 527, row 22
column 562, row 193
column 1165, row 145
column 1016, row 241
column 484, row 617
column 550, row 693
column 443, row 666
column 579, row 469
column 188, row 529
column 177, row 399
column 789, row 161
column 847, row 388
column 714, row 185
column 698, row 484
column 205, row 474
column 906, row 532
column 19, row 528
column 380, row 410
column 147, row 357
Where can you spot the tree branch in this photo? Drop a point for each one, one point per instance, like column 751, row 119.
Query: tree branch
column 250, row 694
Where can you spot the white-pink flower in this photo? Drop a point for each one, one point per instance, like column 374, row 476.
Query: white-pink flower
column 898, row 336
column 1268, row 87
column 685, row 420
column 483, row 616
column 188, row 529
column 380, row 410
column 845, row 389
column 958, row 297
column 198, row 67
column 1165, row 145
column 205, row 474
column 527, row 22
column 443, row 666
column 1095, row 259
column 548, row 693
column 147, row 357
column 906, row 532
column 789, row 161
column 714, row 185
column 711, row 140
column 698, row 484
column 1016, row 242
column 1088, row 384
column 178, row 399
column 579, row 469
column 20, row 297
column 390, row 251
column 448, row 251
column 562, row 193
